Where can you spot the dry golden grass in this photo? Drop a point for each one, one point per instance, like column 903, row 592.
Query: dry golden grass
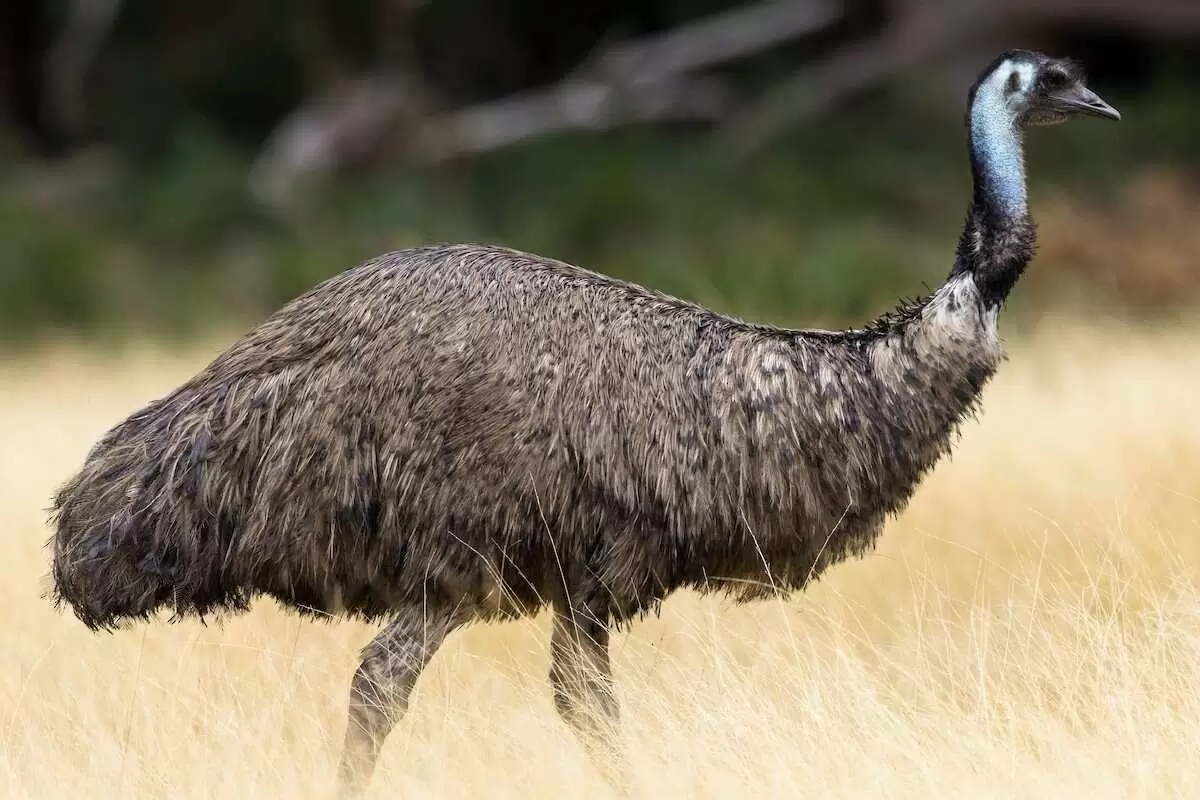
column 1029, row 628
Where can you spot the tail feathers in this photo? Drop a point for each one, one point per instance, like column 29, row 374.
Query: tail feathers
column 132, row 533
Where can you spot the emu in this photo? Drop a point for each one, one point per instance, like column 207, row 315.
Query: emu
column 456, row 433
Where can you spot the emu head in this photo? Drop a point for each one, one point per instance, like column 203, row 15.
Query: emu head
column 1036, row 89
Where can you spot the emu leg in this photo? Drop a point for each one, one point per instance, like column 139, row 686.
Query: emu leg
column 581, row 675
column 382, row 683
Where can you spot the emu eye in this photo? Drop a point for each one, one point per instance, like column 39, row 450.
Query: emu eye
column 1054, row 80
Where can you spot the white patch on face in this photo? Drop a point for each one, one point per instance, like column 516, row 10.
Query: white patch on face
column 997, row 89
column 1024, row 76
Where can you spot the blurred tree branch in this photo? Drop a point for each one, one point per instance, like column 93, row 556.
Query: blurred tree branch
column 631, row 82
column 663, row 78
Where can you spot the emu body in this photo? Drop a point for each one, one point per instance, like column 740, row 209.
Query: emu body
column 456, row 422
column 454, row 433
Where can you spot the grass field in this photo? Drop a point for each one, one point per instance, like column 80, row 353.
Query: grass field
column 1029, row 628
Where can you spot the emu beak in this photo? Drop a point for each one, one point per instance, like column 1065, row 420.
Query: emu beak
column 1080, row 99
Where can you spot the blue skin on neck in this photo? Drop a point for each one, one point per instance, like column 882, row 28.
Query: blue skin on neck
column 996, row 147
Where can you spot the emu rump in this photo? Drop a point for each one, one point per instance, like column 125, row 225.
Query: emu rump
column 455, row 433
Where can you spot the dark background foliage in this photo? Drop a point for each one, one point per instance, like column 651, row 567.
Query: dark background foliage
column 127, row 159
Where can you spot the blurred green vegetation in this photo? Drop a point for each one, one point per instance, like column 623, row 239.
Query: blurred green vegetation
column 830, row 226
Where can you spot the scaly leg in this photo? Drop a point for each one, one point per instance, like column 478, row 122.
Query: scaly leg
column 382, row 683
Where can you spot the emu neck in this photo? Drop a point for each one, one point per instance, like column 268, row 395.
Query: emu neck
column 997, row 242
column 997, row 156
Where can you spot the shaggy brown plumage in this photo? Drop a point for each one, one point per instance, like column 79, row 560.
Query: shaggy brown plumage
column 458, row 432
